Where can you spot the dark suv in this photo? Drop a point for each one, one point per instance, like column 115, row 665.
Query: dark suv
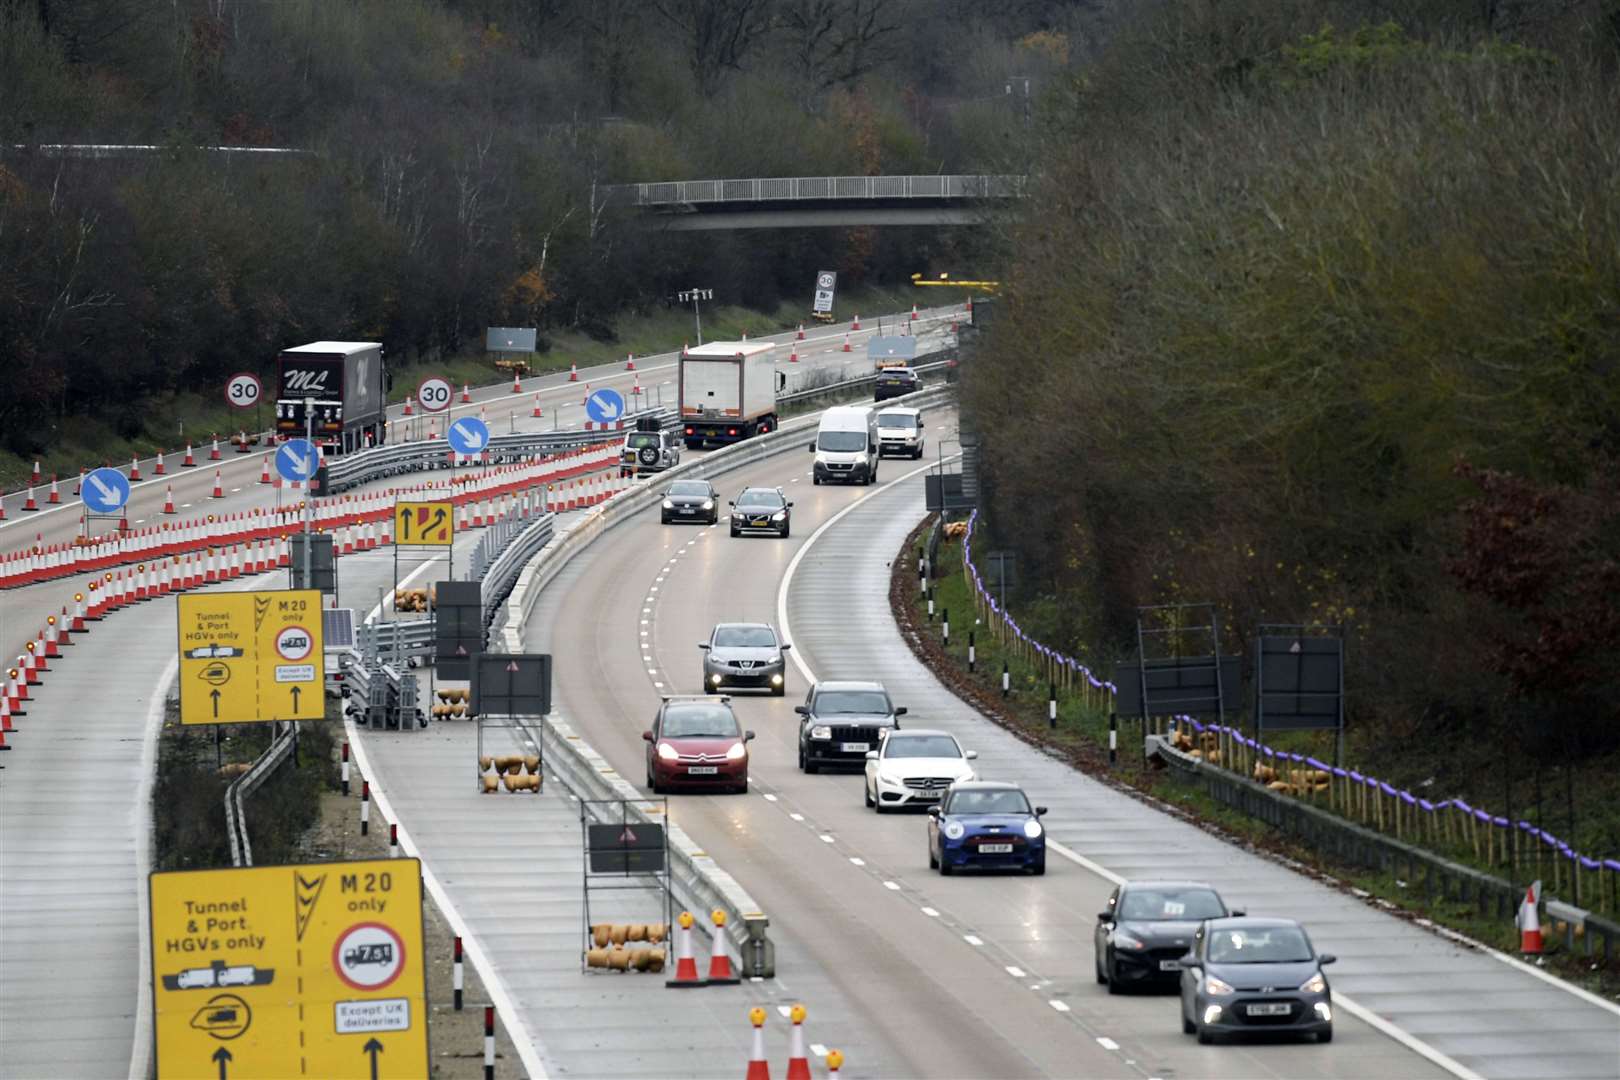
column 840, row 721
column 895, row 382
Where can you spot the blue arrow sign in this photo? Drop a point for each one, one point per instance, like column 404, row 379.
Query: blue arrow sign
column 604, row 406
column 298, row 459
column 468, row 436
column 104, row 491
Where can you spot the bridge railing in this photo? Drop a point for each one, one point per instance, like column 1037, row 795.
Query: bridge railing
column 817, row 188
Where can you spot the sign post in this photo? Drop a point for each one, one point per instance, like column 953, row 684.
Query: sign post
column 310, row 970
column 826, row 281
column 434, row 394
column 244, row 391
column 251, row 657
column 695, row 295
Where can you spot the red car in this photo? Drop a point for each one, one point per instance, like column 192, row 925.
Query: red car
column 696, row 744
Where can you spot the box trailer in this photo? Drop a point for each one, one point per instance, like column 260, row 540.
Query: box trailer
column 727, row 391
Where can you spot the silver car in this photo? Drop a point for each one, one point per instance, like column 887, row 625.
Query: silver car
column 1246, row 976
column 744, row 654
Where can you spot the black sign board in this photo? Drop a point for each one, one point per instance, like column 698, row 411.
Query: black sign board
column 1299, row 682
column 631, row 847
column 458, row 620
column 322, row 569
column 511, row 684
column 953, row 497
column 1176, row 686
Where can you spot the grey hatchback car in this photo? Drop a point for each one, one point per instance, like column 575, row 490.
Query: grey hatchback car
column 1255, row 975
column 744, row 654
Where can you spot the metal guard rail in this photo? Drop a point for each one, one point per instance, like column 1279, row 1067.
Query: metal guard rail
column 674, row 193
column 266, row 763
column 842, row 388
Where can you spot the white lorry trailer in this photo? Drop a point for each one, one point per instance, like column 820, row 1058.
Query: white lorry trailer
column 728, row 391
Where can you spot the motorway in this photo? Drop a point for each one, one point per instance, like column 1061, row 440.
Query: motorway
column 972, row 976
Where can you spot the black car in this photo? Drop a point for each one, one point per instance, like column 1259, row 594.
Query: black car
column 841, row 721
column 1252, row 976
column 1148, row 928
column 690, row 500
column 761, row 509
column 895, row 382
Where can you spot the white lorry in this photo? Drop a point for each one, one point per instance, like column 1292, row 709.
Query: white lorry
column 728, row 391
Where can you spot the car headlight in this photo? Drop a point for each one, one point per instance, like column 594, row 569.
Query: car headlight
column 1212, row 985
column 715, row 678
column 1032, row 828
column 669, row 504
column 954, row 830
column 780, row 515
column 737, row 752
column 1122, row 940
column 667, row 752
column 708, row 504
column 776, row 658
column 821, row 731
column 1316, row 984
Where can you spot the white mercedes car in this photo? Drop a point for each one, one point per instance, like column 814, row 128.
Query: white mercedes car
column 914, row 767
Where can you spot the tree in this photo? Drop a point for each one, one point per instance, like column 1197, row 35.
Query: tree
column 835, row 42
column 718, row 34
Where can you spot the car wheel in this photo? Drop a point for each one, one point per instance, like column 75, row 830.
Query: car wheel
column 714, row 519
column 1097, row 969
column 786, row 529
column 811, row 767
column 734, row 531
column 933, row 863
column 1187, row 1026
column 1038, row 868
column 1205, row 1036
column 1324, row 1036
column 778, row 691
column 945, row 869
column 866, row 794
column 663, row 520
column 815, row 481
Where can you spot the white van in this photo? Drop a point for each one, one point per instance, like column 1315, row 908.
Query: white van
column 900, row 432
column 846, row 445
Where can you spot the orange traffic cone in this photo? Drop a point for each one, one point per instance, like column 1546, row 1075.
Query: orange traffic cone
column 913, row 312
column 135, row 469
column 573, row 373
column 410, row 408
column 800, row 335
column 758, row 1067
column 536, row 412
column 517, row 384
column 798, row 1064
column 1530, row 921
column 846, row 343
column 686, row 973
column 189, row 462
column 30, row 504
column 55, row 496
column 168, row 499
column 720, row 973
column 219, row 487
column 264, row 476
column 466, row 394
column 856, row 325
column 793, row 357
column 630, row 362
column 36, row 479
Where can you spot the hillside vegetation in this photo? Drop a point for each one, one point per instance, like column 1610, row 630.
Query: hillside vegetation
column 1320, row 321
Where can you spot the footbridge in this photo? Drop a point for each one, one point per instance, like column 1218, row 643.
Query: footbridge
column 818, row 201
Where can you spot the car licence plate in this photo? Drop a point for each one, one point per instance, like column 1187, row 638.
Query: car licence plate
column 854, row 747
column 702, row 770
column 1169, row 965
column 926, row 794
column 758, row 523
column 688, row 510
column 1280, row 1008
column 995, row 849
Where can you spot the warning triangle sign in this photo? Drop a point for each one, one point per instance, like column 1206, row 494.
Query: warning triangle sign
column 628, row 836
column 511, row 665
column 461, row 650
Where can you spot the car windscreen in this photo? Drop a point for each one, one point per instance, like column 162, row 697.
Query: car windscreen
column 1188, row 905
column 764, row 499
column 896, row 420
column 841, row 441
column 689, row 487
column 1258, row 945
column 834, row 702
column 745, row 637
column 988, row 802
column 913, row 746
column 639, row 441
column 698, row 721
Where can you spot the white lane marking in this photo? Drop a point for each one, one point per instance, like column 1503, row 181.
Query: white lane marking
column 892, row 885
column 769, row 797
column 785, row 1010
column 973, row 939
column 930, row 912
column 825, row 839
column 658, row 686
column 235, row 490
column 1060, row 1006
column 1015, row 971
column 804, row 549
column 652, row 671
column 857, row 861
column 1106, row 1043
column 796, row 817
column 818, row 1050
column 516, row 1023
column 185, row 506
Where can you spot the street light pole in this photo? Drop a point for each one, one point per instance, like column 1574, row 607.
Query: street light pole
column 309, row 497
column 695, row 295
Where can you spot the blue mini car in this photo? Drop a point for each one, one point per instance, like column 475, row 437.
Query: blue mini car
column 989, row 824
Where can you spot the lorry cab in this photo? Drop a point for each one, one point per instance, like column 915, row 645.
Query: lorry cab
column 846, row 446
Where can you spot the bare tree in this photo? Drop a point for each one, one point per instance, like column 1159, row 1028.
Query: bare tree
column 718, row 34
column 835, row 42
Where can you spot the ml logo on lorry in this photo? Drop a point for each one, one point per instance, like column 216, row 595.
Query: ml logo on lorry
column 306, row 379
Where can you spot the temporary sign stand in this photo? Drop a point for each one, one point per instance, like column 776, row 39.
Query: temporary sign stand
column 623, row 855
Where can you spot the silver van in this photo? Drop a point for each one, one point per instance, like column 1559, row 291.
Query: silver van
column 846, row 446
column 900, row 432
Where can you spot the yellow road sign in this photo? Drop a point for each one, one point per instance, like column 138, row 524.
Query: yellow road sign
column 431, row 524
column 290, row 971
column 251, row 656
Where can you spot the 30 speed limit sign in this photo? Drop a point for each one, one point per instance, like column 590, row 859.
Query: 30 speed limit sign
column 434, row 394
column 243, row 391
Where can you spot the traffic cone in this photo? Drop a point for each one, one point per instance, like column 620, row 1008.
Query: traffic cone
column 913, row 312
column 686, row 973
column 635, row 391
column 55, row 496
column 630, row 362
column 168, row 499
column 798, row 1064
column 135, row 469
column 78, row 612
column 37, row 478
column 586, row 399
column 213, row 455
column 517, row 384
column 573, row 373
column 800, row 335
column 466, row 394
column 793, row 357
column 536, row 413
column 241, row 442
column 264, row 476
column 745, row 335
column 409, row 411
column 219, row 487
column 1530, row 921
column 160, row 470
column 720, row 973
column 50, row 636
column 64, row 629
column 758, row 1067
column 188, row 462
column 29, row 503
column 846, row 343
column 856, row 325
column 835, row 1061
